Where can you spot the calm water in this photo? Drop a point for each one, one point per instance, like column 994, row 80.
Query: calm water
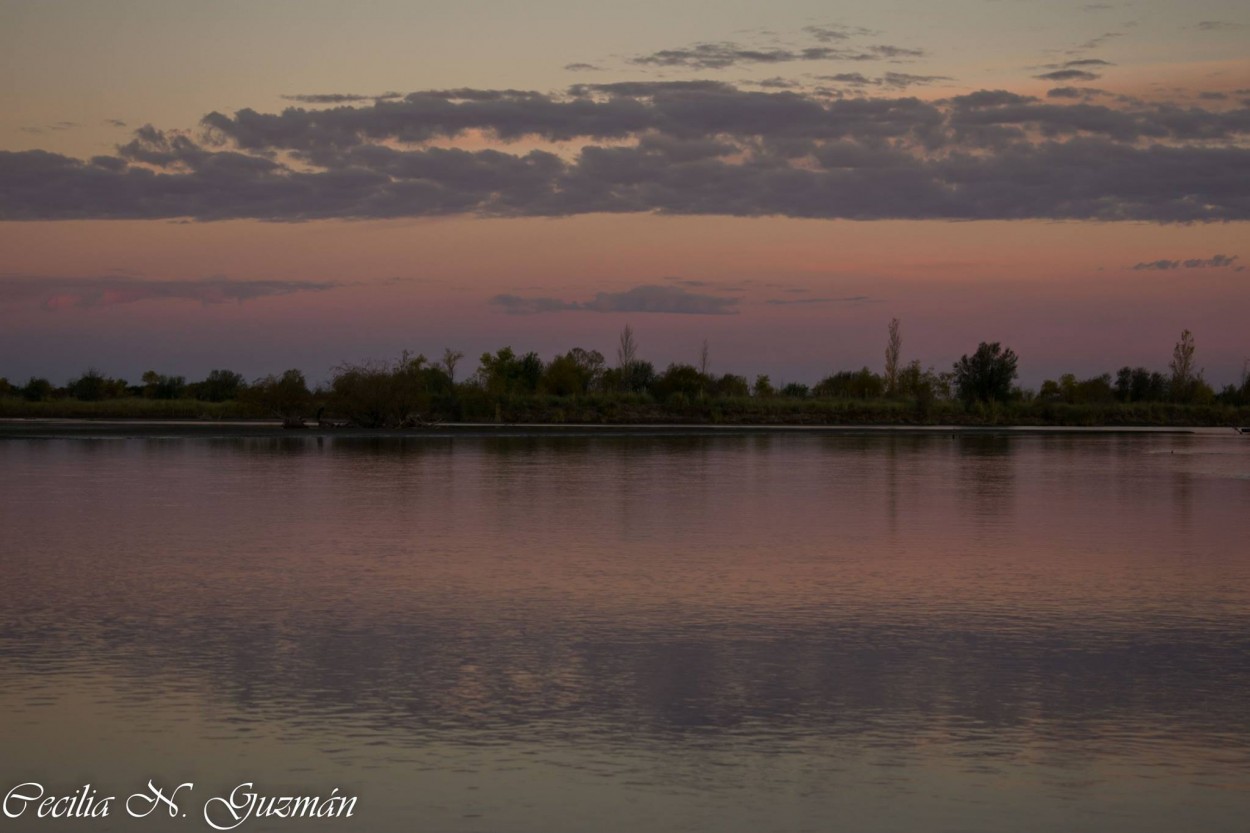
column 732, row 633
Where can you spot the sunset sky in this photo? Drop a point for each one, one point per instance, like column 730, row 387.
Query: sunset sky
column 264, row 185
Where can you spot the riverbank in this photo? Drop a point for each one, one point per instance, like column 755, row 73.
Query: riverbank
column 272, row 429
column 606, row 410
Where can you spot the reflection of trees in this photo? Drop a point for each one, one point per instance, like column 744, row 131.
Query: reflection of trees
column 986, row 478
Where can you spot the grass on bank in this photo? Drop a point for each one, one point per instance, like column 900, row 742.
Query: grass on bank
column 127, row 408
column 641, row 409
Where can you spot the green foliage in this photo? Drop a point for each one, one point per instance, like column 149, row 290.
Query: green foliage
column 94, row 386
column 987, row 375
column 632, row 377
column 37, row 390
column 576, row 373
column 681, row 379
column 504, row 375
column 923, row 387
column 1096, row 389
column 576, row 387
column 159, row 386
column 379, row 395
column 1237, row 394
column 129, row 407
column 795, row 391
column 286, row 397
column 730, row 385
column 220, row 386
column 1137, row 384
column 859, row 384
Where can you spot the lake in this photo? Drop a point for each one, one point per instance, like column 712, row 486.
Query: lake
column 893, row 631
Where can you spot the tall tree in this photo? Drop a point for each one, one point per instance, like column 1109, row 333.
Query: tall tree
column 1182, row 367
column 892, row 351
column 627, row 350
column 450, row 359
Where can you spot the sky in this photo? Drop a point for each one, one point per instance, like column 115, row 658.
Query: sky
column 264, row 185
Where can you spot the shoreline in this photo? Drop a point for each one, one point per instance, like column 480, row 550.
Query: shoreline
column 53, row 428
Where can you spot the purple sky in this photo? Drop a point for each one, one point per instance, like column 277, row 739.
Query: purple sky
column 1072, row 180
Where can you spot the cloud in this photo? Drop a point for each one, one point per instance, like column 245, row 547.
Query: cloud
column 827, row 33
column 1213, row 262
column 1094, row 43
column 687, row 147
column 775, row 83
column 712, row 56
column 1083, row 93
column 58, row 293
column 648, row 298
column 1079, row 62
column 850, row 299
column 717, row 55
column 1220, row 26
column 55, row 126
column 1068, row 75
column 890, row 80
column 582, row 67
column 339, row 98
column 517, row 305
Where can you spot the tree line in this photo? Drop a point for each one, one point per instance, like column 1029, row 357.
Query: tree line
column 583, row 384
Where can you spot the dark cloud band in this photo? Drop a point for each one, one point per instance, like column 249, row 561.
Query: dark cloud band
column 697, row 147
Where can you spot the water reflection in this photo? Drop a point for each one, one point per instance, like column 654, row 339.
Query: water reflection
column 895, row 629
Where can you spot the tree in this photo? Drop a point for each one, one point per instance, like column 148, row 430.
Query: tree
column 450, row 359
column 892, row 350
column 705, row 362
column 286, row 397
column 627, row 350
column 92, row 386
column 37, row 390
column 850, row 384
column 573, row 374
column 220, row 386
column 680, row 379
column 1184, row 378
column 794, row 390
column 763, row 387
column 1137, row 384
column 731, row 385
column 503, row 374
column 380, row 395
column 987, row 375
column 160, row 386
